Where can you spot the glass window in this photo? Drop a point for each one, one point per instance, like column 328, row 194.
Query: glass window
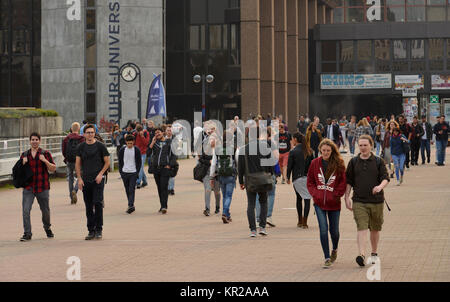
column 329, row 67
column 395, row 2
column 215, row 37
column 436, row 49
column 90, row 19
column 437, row 65
column 415, row 2
column 202, row 37
column 198, row 11
column 194, row 37
column 216, row 11
column 399, row 66
column 91, row 50
column 4, row 18
column 175, row 78
column 418, row 66
column 21, row 80
column 448, row 12
column 90, row 103
column 364, row 50
column 382, row 49
column 339, row 3
column 338, row 15
column 436, row 2
column 4, row 82
column 417, row 49
column 21, row 42
column 436, row 13
column 36, row 27
column 365, row 66
column 90, row 80
column 346, row 56
column 234, row 36
column 396, row 14
column 90, row 3
column 225, row 36
column 4, row 42
column 21, row 13
column 354, row 2
column 382, row 66
column 399, row 49
column 328, row 50
column 217, row 66
column 36, row 102
column 355, row 15
column 415, row 14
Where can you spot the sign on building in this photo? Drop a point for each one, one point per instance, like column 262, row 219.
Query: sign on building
column 415, row 81
column 407, row 92
column 440, row 81
column 434, row 99
column 355, row 81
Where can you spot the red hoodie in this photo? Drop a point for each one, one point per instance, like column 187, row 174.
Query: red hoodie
column 326, row 195
column 142, row 142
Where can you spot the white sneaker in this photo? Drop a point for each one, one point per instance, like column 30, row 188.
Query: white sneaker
column 253, row 234
column 398, row 182
column 262, row 231
column 269, row 222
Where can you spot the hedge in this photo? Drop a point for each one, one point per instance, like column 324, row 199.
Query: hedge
column 22, row 113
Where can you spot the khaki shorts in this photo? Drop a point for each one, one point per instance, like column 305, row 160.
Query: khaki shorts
column 368, row 215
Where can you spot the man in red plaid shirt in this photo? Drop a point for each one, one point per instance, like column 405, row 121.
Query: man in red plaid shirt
column 41, row 162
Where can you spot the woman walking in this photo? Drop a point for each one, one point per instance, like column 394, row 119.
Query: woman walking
column 298, row 164
column 313, row 137
column 363, row 127
column 327, row 184
column 386, row 150
column 398, row 154
column 351, row 128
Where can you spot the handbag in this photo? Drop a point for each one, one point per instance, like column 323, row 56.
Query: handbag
column 200, row 171
column 258, row 181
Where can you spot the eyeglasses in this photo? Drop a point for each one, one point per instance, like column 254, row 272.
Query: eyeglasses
column 90, row 132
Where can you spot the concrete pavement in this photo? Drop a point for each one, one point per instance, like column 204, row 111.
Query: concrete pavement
column 184, row 245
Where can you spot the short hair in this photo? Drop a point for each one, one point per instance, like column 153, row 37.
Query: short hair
column 87, row 127
column 35, row 134
column 159, row 128
column 130, row 137
column 368, row 137
column 75, row 127
column 139, row 128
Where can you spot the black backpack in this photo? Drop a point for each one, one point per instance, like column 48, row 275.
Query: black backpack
column 225, row 165
column 71, row 150
column 22, row 174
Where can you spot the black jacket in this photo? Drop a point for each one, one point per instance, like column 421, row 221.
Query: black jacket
column 254, row 161
column 162, row 156
column 297, row 164
column 429, row 130
column 445, row 129
column 137, row 159
column 417, row 130
column 336, row 132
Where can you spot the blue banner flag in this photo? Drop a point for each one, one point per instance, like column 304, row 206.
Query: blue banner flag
column 156, row 104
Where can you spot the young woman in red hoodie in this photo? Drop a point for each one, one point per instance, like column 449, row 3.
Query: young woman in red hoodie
column 326, row 183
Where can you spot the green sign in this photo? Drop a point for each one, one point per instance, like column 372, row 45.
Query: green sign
column 434, row 99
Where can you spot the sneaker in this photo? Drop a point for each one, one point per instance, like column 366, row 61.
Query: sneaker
column 138, row 186
column 90, row 236
column 360, row 260
column 163, row 211
column 283, row 182
column 224, row 219
column 25, row 237
column 229, row 219
column 131, row 210
column 217, row 211
column 428, row 160
column 144, row 185
column 98, row 235
column 49, row 233
column 398, row 182
column 269, row 222
column 206, row 212
column 171, row 192
column 333, row 256
column 253, row 234
column 74, row 199
column 262, row 231
column 327, row 263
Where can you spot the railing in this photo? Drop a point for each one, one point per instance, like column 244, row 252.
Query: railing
column 13, row 148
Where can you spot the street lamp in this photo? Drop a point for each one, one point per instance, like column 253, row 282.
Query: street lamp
column 204, row 79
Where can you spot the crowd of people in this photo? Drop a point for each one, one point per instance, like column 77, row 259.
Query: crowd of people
column 310, row 159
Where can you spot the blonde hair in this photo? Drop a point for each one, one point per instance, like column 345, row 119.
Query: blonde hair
column 363, row 122
column 75, row 127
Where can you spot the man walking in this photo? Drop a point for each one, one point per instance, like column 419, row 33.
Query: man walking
column 41, row 162
column 416, row 137
column 69, row 151
column 130, row 162
column 302, row 125
column 405, row 128
column 91, row 165
column 441, row 130
column 367, row 175
column 284, row 142
column 142, row 142
column 426, row 139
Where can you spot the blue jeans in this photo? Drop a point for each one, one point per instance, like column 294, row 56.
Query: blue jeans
column 425, row 145
column 440, row 150
column 270, row 201
column 142, row 177
column 333, row 218
column 351, row 144
column 171, row 185
column 227, row 185
column 399, row 163
column 378, row 148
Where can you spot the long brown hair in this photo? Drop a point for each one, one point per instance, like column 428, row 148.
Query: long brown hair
column 299, row 137
column 335, row 163
column 308, row 135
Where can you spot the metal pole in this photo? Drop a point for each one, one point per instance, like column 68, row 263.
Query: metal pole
column 139, row 96
column 204, row 97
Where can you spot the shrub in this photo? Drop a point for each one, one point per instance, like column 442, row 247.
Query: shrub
column 22, row 113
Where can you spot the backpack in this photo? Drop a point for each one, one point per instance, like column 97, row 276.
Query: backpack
column 200, row 171
column 225, row 165
column 71, row 150
column 101, row 158
column 22, row 174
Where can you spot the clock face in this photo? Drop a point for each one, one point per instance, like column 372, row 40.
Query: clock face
column 129, row 74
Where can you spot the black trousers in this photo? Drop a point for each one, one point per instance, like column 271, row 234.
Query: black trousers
column 162, row 182
column 129, row 182
column 93, row 199
column 251, row 198
column 415, row 148
column 300, row 206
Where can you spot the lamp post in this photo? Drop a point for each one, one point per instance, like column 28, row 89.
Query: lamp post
column 204, row 79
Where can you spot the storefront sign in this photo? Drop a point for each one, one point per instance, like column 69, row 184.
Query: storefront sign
column 434, row 99
column 409, row 81
column 409, row 92
column 355, row 81
column 440, row 81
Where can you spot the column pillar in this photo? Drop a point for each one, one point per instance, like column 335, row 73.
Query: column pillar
column 303, row 27
column 267, row 61
column 281, row 85
column 292, row 64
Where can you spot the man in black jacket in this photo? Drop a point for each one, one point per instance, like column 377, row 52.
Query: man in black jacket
column 162, row 162
column 416, row 137
column 257, row 162
column 441, row 130
column 332, row 131
column 130, row 162
column 425, row 139
column 405, row 128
